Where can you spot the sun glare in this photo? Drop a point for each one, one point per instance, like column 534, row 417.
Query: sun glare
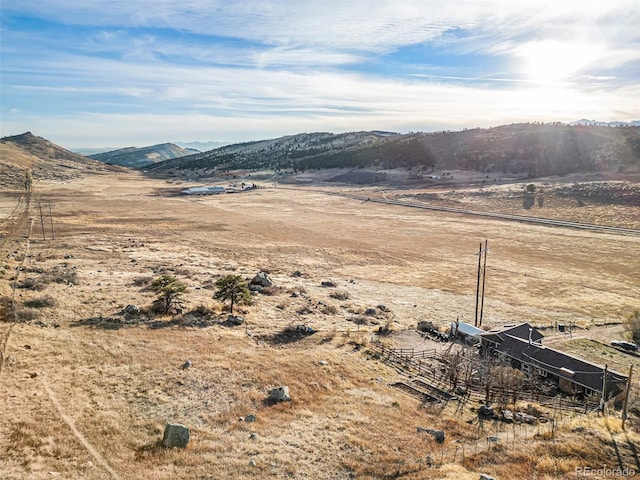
column 553, row 61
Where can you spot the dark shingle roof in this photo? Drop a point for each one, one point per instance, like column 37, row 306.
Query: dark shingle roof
column 561, row 364
column 519, row 331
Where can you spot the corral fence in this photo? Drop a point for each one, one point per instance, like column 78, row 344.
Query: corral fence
column 429, row 367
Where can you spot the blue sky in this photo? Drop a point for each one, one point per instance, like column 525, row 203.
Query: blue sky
column 112, row 73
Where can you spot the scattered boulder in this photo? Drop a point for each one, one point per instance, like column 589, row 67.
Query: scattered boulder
column 253, row 436
column 280, row 394
column 525, row 418
column 250, row 418
column 507, row 416
column 263, row 279
column 255, row 288
column 438, row 435
column 186, row 365
column 252, row 463
column 176, row 436
column 324, row 362
column 371, row 312
column 235, row 320
column 486, row 411
column 493, row 439
column 328, row 283
column 484, row 476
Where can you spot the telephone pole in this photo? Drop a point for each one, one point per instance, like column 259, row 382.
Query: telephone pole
column 484, row 276
column 51, row 222
column 482, row 271
column 41, row 220
column 478, row 284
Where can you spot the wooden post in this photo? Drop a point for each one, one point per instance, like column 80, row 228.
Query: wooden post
column 626, row 396
column 604, row 389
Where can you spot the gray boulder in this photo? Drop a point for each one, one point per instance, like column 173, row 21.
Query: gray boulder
column 176, row 436
column 263, row 279
column 250, row 418
column 484, row 476
column 486, row 411
column 525, row 418
column 235, row 320
column 280, row 394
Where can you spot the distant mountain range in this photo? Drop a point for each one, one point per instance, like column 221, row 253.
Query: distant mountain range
column 596, row 123
column 534, row 149
column 135, row 157
column 200, row 146
column 530, row 149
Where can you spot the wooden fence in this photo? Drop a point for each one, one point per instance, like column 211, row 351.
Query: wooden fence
column 428, row 365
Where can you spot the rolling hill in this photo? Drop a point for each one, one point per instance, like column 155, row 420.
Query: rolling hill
column 534, row 149
column 26, row 152
column 134, row 157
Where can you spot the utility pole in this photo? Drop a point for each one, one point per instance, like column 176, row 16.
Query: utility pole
column 51, row 222
column 626, row 396
column 41, row 220
column 478, row 284
column 484, row 276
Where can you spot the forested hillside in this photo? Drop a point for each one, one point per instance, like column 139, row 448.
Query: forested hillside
column 534, row 149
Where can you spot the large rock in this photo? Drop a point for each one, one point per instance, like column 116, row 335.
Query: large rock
column 176, row 436
column 484, row 476
column 280, row 394
column 235, row 320
column 525, row 418
column 263, row 279
column 486, row 411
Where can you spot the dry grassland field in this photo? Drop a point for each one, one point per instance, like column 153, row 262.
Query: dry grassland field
column 85, row 391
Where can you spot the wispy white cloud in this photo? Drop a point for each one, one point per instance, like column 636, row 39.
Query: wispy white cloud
column 241, row 70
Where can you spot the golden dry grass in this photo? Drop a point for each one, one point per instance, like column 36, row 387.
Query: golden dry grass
column 77, row 383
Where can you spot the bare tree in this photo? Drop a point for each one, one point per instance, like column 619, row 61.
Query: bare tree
column 632, row 325
column 508, row 381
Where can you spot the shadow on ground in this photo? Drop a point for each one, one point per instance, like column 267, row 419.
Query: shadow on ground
column 287, row 336
column 116, row 322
